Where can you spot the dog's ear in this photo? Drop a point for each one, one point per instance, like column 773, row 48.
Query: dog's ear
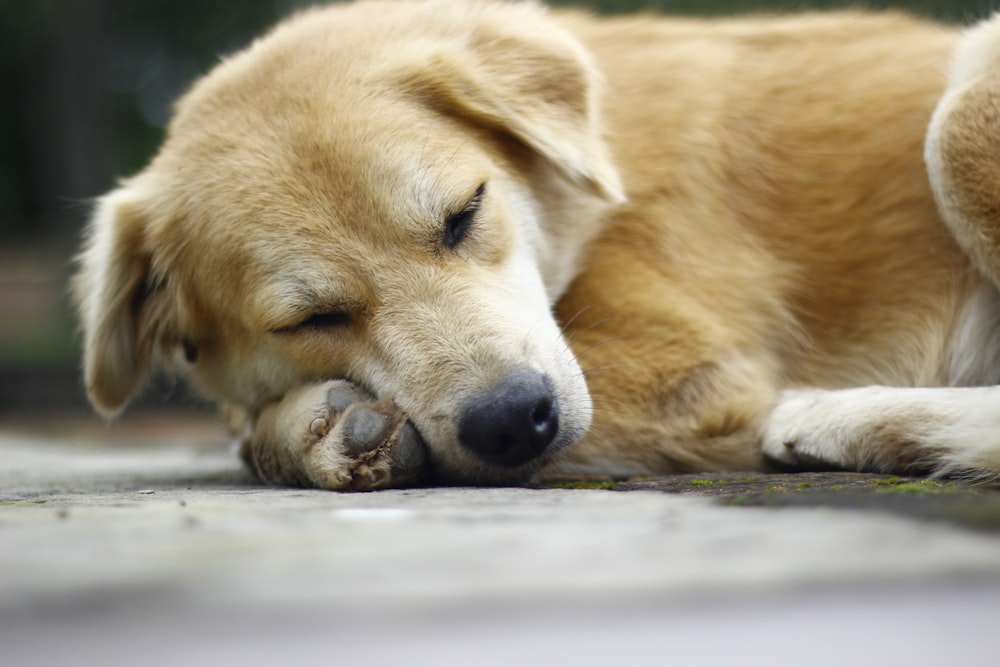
column 534, row 81
column 122, row 307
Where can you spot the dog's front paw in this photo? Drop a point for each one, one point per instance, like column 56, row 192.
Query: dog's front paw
column 335, row 436
column 800, row 435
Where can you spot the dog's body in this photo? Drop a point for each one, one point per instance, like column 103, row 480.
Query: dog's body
column 731, row 221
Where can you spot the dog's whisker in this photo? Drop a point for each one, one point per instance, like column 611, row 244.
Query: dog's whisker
column 451, row 158
column 587, row 350
column 590, row 370
column 605, row 408
column 576, row 315
column 607, row 403
column 578, row 332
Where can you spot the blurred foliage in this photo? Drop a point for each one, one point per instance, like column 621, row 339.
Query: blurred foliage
column 88, row 85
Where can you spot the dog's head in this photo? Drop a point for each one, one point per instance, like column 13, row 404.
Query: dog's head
column 389, row 192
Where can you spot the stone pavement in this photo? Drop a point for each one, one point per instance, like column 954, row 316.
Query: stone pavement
column 153, row 547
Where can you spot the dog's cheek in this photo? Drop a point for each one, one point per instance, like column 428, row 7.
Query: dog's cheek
column 247, row 375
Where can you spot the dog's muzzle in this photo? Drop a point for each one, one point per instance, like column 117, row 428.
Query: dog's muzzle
column 512, row 423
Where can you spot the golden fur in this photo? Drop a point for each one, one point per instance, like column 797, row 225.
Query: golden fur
column 717, row 212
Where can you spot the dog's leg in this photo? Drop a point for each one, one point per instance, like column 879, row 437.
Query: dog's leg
column 963, row 148
column 334, row 436
column 885, row 429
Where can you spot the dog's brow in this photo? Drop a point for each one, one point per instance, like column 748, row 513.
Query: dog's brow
column 291, row 294
column 438, row 186
column 293, row 297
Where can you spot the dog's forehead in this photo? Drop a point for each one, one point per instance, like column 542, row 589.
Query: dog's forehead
column 292, row 150
column 333, row 165
column 325, row 200
column 348, row 142
column 316, row 121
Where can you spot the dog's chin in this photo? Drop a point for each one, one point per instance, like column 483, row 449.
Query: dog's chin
column 445, row 470
column 482, row 475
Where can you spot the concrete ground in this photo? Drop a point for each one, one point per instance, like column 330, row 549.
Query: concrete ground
column 147, row 544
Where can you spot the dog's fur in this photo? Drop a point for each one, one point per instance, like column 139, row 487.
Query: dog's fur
column 710, row 244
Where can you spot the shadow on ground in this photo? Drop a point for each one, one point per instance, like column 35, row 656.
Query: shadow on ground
column 967, row 504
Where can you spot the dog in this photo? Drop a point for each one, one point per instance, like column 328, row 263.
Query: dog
column 482, row 242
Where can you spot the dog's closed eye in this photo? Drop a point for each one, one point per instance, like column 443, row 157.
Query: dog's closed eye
column 320, row 320
column 457, row 225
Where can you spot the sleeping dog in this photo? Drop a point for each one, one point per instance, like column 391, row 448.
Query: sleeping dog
column 440, row 242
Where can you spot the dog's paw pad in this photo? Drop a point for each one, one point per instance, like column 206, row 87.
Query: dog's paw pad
column 341, row 395
column 364, row 430
column 369, row 446
column 409, row 452
column 335, row 436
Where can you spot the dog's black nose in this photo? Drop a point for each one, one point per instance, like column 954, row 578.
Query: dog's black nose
column 513, row 422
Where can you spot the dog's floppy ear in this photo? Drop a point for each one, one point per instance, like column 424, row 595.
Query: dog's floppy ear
column 121, row 307
column 530, row 78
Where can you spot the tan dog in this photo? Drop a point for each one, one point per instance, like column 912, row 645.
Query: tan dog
column 460, row 242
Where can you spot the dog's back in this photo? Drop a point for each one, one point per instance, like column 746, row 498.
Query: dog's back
column 781, row 234
column 775, row 176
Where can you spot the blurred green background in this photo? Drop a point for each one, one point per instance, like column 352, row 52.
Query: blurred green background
column 86, row 90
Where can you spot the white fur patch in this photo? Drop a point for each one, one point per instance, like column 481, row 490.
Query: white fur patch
column 888, row 429
column 974, row 355
column 977, row 53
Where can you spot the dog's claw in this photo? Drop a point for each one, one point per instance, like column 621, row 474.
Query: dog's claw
column 319, row 427
column 335, row 436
